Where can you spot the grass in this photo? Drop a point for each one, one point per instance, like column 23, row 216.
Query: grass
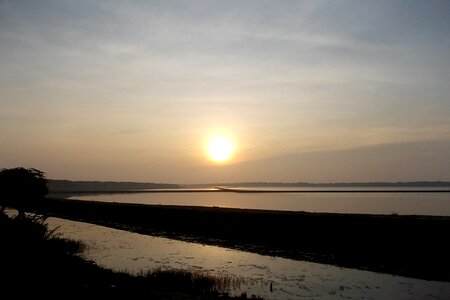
column 37, row 260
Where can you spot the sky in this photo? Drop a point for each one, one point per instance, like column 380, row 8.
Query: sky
column 305, row 90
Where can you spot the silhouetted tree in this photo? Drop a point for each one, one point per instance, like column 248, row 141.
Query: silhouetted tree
column 20, row 187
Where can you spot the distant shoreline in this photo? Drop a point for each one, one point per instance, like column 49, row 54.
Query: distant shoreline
column 237, row 190
column 380, row 184
column 67, row 186
column 412, row 246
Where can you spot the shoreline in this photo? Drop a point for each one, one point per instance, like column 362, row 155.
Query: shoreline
column 41, row 262
column 237, row 190
column 411, row 246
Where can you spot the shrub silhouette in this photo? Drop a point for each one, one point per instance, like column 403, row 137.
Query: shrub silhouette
column 20, row 188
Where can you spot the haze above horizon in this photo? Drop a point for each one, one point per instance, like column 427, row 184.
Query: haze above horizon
column 310, row 91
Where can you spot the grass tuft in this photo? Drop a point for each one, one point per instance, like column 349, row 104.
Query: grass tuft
column 38, row 259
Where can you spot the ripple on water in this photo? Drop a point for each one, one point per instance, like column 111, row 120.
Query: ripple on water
column 290, row 279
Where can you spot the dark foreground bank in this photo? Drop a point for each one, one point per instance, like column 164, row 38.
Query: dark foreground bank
column 413, row 246
column 35, row 261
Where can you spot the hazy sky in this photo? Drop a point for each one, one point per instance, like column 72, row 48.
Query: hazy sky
column 132, row 90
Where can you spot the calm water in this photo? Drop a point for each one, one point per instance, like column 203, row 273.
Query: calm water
column 356, row 202
column 122, row 250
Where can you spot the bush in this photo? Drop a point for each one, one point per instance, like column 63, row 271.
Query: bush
column 20, row 188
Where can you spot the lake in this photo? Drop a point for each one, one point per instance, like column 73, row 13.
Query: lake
column 291, row 279
column 404, row 201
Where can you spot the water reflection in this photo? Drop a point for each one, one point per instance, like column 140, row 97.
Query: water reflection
column 122, row 250
column 369, row 203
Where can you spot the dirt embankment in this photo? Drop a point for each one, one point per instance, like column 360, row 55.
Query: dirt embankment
column 414, row 246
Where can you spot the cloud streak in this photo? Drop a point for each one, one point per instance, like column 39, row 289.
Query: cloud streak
column 281, row 76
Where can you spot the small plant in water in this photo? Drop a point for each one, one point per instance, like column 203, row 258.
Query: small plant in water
column 194, row 280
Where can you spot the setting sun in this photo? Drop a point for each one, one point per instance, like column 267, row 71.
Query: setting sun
column 220, row 149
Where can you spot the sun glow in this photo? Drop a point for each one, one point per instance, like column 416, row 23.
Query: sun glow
column 220, row 149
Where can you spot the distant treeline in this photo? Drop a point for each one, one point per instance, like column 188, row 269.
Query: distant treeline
column 333, row 184
column 88, row 186
column 56, row 186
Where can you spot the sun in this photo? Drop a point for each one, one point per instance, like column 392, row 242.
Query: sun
column 220, row 149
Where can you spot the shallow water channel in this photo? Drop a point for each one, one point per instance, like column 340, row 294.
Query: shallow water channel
column 291, row 279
